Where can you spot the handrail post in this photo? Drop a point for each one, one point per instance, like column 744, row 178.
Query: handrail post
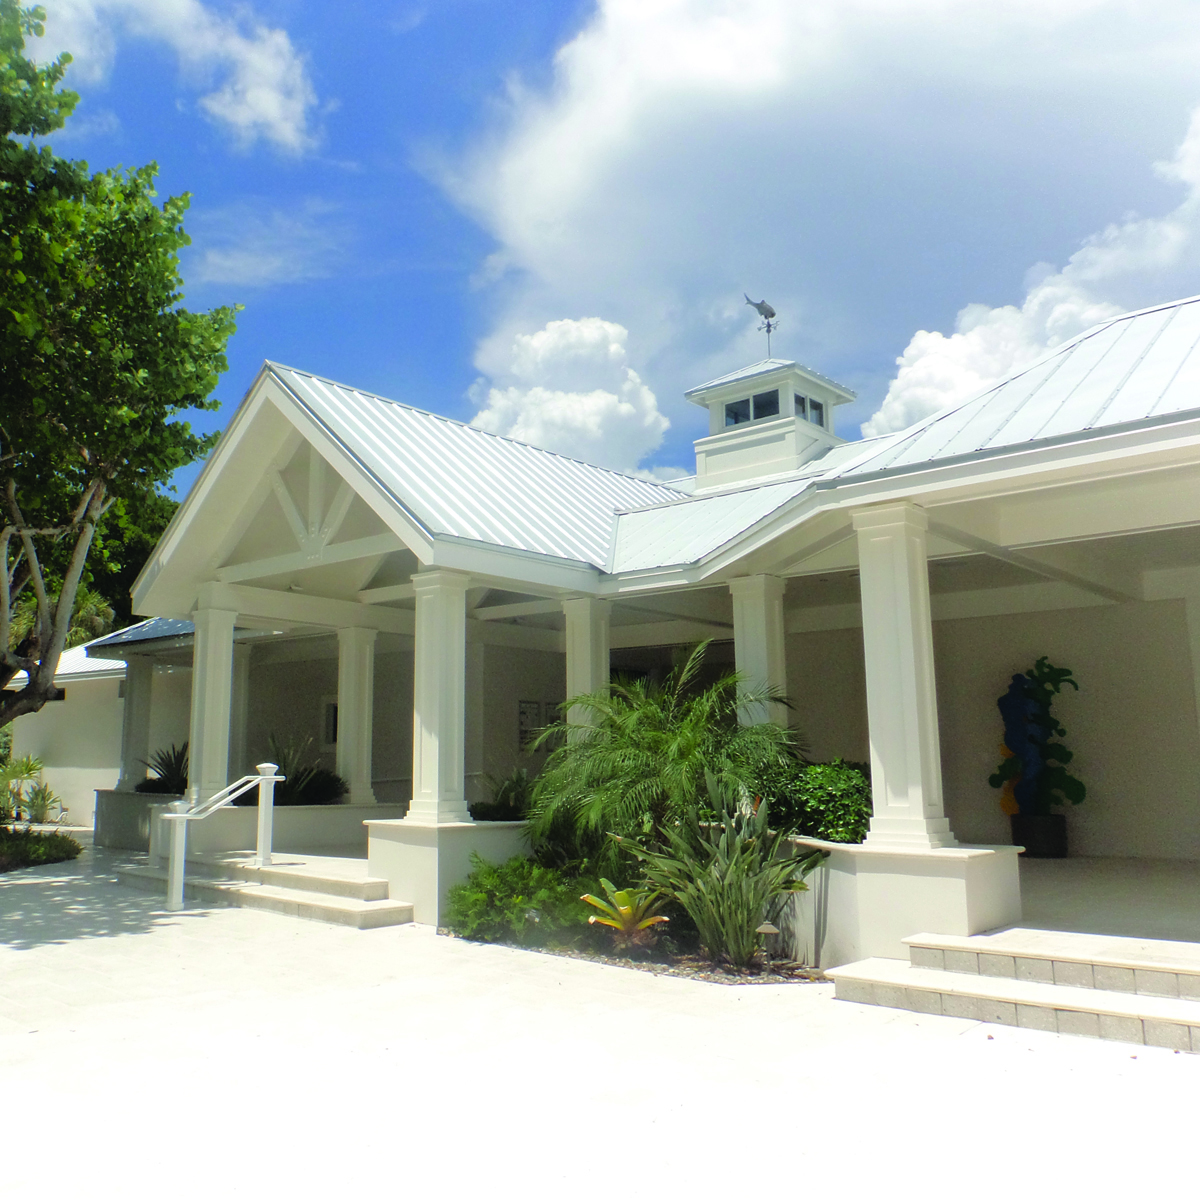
column 175, row 868
column 266, row 813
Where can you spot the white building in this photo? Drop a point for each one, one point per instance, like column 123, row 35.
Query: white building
column 429, row 580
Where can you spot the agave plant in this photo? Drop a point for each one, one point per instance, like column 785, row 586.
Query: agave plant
column 632, row 914
column 170, row 769
column 39, row 803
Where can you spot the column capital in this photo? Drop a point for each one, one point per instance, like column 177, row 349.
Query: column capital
column 879, row 516
column 357, row 634
column 767, row 586
column 586, row 604
column 429, row 581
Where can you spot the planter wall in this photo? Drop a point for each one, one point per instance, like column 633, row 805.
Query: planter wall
column 1043, row 835
column 335, row 829
column 123, row 818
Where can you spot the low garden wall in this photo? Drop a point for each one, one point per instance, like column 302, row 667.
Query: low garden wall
column 336, row 829
column 123, row 818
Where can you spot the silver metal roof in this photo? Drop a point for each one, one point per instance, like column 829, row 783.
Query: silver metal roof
column 1137, row 367
column 459, row 481
column 74, row 664
column 765, row 368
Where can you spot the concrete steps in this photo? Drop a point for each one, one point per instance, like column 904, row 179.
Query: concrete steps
column 298, row 889
column 1123, row 989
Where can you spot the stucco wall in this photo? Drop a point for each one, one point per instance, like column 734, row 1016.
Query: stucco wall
column 828, row 691
column 391, row 745
column 79, row 739
column 510, row 676
column 170, row 713
column 1132, row 725
column 287, row 700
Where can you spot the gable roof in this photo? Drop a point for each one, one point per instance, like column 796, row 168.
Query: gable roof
column 1136, row 369
column 457, row 481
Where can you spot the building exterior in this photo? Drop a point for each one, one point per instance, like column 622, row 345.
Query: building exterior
column 425, row 587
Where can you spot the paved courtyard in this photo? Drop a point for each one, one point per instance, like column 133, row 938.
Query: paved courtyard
column 230, row 1052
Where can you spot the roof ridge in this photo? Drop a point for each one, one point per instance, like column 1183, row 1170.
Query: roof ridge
column 473, row 428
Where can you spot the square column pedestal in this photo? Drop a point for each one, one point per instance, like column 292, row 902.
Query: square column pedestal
column 423, row 861
column 863, row 900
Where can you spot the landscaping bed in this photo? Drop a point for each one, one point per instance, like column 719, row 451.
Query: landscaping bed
column 682, row 965
column 29, row 848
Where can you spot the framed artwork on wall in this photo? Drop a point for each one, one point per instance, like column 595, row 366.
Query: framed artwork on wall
column 529, row 722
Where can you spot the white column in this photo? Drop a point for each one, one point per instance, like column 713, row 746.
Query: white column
column 135, row 721
column 587, row 643
column 212, row 684
column 758, row 643
column 906, row 768
column 356, row 711
column 239, row 715
column 439, row 698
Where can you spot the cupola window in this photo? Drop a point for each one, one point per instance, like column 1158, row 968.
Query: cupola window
column 766, row 404
column 816, row 412
column 737, row 413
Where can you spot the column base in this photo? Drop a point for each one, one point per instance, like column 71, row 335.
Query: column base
column 423, row 861
column 446, row 813
column 864, row 900
column 910, row 833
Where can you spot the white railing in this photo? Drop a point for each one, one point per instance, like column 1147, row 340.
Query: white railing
column 183, row 811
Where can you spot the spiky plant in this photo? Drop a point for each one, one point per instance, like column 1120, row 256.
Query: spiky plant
column 639, row 765
column 632, row 914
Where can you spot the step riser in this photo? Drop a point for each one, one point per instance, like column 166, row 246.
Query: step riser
column 352, row 889
column 1132, row 1030
column 306, row 907
column 1067, row 973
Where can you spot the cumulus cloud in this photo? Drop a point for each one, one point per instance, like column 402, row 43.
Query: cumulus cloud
column 856, row 162
column 569, row 388
column 1126, row 264
column 253, row 80
column 254, row 246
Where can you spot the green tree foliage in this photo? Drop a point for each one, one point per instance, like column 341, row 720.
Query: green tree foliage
column 92, row 617
column 831, row 801
column 639, row 766
column 98, row 357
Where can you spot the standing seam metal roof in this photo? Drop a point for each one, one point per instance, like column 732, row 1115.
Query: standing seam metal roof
column 463, row 482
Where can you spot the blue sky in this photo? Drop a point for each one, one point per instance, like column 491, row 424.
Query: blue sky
column 542, row 216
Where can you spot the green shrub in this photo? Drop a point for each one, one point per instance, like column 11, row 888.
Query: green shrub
column 305, row 782
column 729, row 874
column 25, row 848
column 831, row 800
column 510, row 798
column 519, row 901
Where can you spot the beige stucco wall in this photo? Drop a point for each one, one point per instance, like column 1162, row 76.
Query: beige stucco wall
column 827, row 688
column 1132, row 725
column 170, row 713
column 510, row 676
column 79, row 740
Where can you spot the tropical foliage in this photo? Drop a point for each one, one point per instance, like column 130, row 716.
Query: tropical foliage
column 638, row 768
column 92, row 617
column 632, row 914
column 98, row 357
column 510, row 798
column 170, row 769
column 305, row 780
column 29, row 848
column 831, row 801
column 519, row 901
column 729, row 874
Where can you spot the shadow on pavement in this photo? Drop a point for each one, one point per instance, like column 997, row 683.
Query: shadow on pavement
column 41, row 906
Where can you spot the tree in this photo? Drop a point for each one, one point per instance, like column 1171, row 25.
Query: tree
column 97, row 357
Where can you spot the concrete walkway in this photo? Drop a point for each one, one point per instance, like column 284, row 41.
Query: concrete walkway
column 237, row 1053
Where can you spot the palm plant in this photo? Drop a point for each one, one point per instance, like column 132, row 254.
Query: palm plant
column 639, row 765
column 170, row 769
column 14, row 775
column 92, row 617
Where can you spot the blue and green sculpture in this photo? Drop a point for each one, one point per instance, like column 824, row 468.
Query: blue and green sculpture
column 1033, row 772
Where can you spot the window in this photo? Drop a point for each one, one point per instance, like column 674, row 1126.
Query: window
column 801, row 411
column 766, row 404
column 329, row 730
column 737, row 413
column 816, row 412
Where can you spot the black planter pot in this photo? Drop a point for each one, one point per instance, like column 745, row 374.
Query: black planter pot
column 1044, row 835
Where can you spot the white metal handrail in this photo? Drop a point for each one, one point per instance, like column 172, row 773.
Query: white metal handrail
column 183, row 811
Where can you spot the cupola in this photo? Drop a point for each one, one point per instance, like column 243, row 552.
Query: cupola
column 766, row 419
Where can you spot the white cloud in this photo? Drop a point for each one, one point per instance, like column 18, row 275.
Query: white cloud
column 569, row 388
column 1126, row 265
column 856, row 162
column 257, row 81
column 253, row 246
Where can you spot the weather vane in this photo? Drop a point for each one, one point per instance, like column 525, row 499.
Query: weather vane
column 769, row 323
